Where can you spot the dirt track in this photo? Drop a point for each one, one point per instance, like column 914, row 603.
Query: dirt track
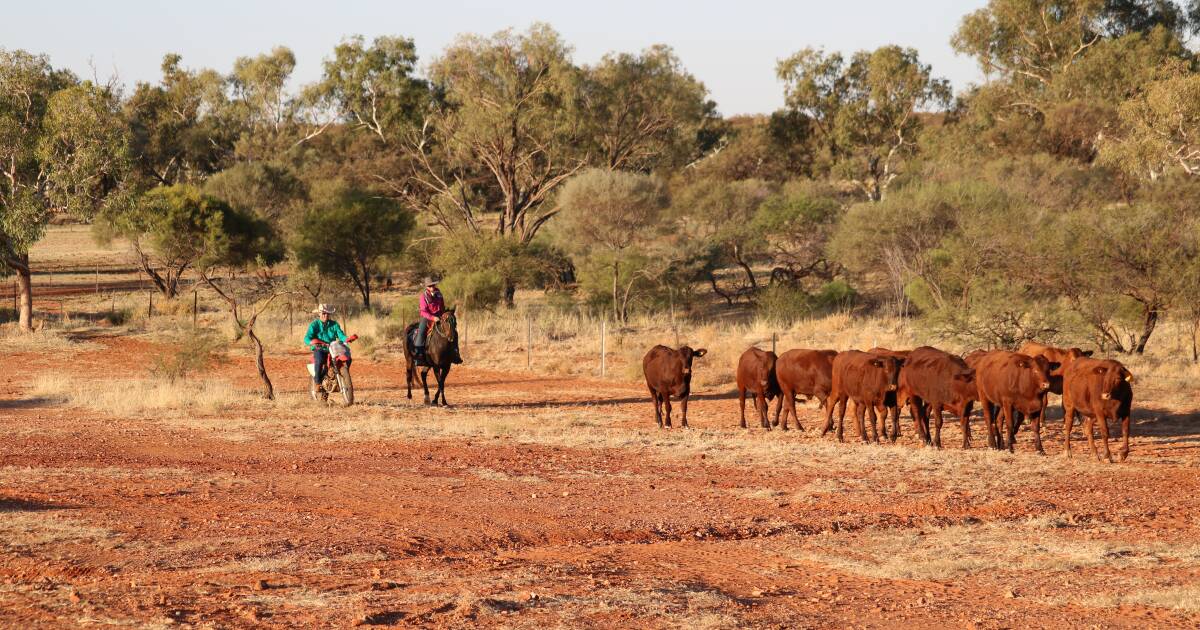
column 571, row 512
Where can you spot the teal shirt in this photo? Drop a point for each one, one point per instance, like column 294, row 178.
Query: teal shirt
column 325, row 331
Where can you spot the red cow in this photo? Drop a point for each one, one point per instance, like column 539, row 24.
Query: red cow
column 806, row 373
column 864, row 378
column 891, row 402
column 669, row 373
column 932, row 381
column 1062, row 356
column 756, row 374
column 1012, row 382
column 1098, row 389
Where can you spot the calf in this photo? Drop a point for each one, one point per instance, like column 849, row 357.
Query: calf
column 1062, row 356
column 891, row 402
column 756, row 375
column 864, row 378
column 806, row 373
column 669, row 373
column 933, row 380
column 1012, row 382
column 1098, row 389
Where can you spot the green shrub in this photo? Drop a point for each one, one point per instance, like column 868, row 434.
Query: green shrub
column 783, row 304
column 835, row 295
column 473, row 289
column 118, row 317
column 195, row 354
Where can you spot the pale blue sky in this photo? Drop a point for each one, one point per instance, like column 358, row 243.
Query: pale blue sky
column 731, row 46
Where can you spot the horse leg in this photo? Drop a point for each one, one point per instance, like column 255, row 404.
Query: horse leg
column 408, row 377
column 425, row 383
column 440, row 375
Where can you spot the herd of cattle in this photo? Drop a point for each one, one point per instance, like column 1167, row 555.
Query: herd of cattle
column 1009, row 385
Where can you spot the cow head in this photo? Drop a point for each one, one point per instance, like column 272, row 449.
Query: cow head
column 890, row 366
column 1035, row 372
column 963, row 384
column 1112, row 376
column 687, row 354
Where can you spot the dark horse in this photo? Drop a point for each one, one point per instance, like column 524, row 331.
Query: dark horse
column 441, row 346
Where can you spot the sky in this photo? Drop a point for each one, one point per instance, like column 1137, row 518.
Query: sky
column 731, row 46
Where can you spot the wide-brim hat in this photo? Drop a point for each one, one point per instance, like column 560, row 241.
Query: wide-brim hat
column 430, row 281
column 322, row 308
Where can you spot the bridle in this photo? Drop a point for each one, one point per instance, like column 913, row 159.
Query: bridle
column 444, row 328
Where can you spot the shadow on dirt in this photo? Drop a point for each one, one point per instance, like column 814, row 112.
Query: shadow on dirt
column 28, row 403
column 28, row 505
column 599, row 402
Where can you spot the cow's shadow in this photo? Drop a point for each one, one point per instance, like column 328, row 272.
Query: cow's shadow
column 11, row 504
column 590, row 402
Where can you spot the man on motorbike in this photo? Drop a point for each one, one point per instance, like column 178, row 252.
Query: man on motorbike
column 323, row 331
column 432, row 309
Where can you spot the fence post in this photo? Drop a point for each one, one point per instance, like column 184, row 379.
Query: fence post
column 528, row 343
column 195, row 307
column 150, row 306
column 772, row 343
column 603, row 346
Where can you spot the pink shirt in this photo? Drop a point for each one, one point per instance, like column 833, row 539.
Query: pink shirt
column 432, row 305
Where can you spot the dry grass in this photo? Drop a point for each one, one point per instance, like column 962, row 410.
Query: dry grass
column 1185, row 598
column 138, row 397
column 1037, row 544
column 46, row 341
column 30, row 530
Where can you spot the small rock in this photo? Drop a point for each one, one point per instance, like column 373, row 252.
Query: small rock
column 566, row 493
column 533, row 496
column 756, row 592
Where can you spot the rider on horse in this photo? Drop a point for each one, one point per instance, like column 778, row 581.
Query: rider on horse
column 433, row 308
column 323, row 331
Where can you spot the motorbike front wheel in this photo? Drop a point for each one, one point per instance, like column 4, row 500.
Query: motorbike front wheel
column 345, row 384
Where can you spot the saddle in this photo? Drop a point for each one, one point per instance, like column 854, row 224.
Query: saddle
column 410, row 342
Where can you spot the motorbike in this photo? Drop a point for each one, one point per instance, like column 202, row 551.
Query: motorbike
column 337, row 373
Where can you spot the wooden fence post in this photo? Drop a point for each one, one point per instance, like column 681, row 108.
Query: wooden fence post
column 150, row 306
column 528, row 343
column 195, row 308
column 772, row 343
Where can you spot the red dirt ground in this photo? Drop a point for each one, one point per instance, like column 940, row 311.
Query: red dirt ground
column 148, row 523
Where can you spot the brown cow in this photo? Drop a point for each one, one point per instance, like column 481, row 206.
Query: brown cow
column 1062, row 356
column 756, row 374
column 891, row 405
column 1012, row 382
column 864, row 378
column 669, row 373
column 1098, row 389
column 806, row 373
column 933, row 380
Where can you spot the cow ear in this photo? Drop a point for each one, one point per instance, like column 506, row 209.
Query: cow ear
column 699, row 352
column 900, row 362
column 1088, row 353
column 1100, row 369
column 1023, row 363
column 877, row 363
column 1053, row 365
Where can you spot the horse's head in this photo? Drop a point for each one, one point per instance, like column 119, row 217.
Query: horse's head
column 447, row 326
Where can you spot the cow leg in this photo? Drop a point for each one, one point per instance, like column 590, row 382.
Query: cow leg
column 657, row 406
column 920, row 427
column 937, row 431
column 1088, row 424
column 1125, row 439
column 1068, row 422
column 1010, row 429
column 860, row 412
column 830, row 403
column 742, row 402
column 965, row 419
column 408, row 377
column 788, row 400
column 842, row 418
column 1036, row 425
column 778, row 409
column 760, row 405
column 1103, row 419
column 988, row 419
column 667, row 405
column 683, row 407
column 896, row 422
